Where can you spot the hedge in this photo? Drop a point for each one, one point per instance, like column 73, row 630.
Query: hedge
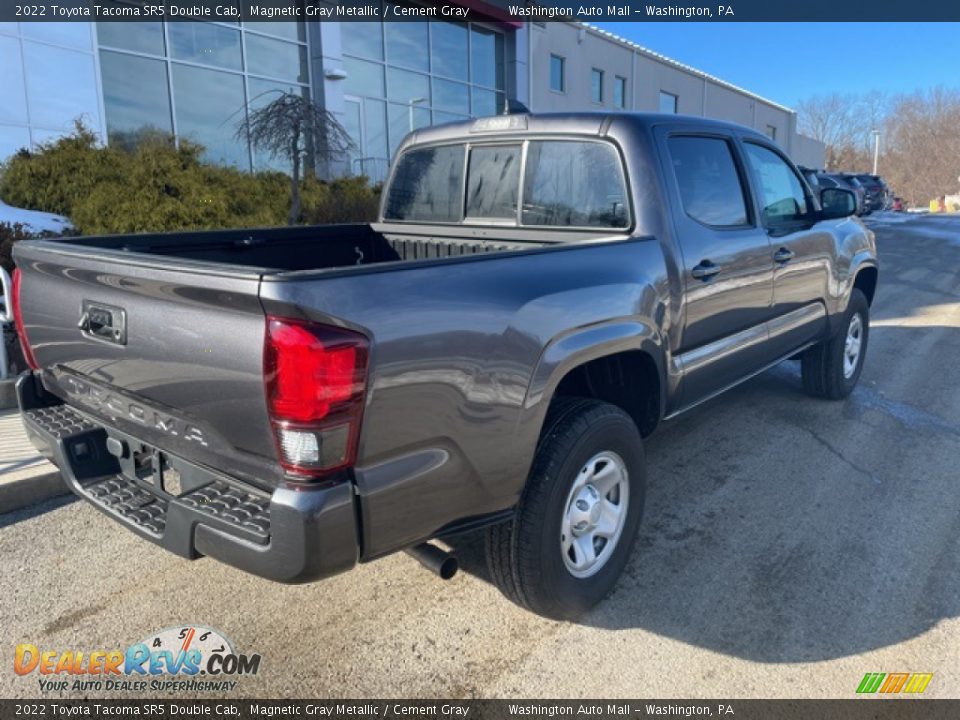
column 157, row 187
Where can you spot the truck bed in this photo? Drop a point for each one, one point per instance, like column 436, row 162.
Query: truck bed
column 303, row 248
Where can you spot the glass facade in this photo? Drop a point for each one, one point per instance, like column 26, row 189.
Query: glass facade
column 197, row 81
column 48, row 80
column 406, row 75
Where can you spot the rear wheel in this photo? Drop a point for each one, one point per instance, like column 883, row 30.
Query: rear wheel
column 575, row 525
column 832, row 368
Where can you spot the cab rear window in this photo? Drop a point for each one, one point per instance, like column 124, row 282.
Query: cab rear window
column 427, row 185
column 565, row 183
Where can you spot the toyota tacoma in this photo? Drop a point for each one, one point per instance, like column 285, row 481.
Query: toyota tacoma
column 539, row 292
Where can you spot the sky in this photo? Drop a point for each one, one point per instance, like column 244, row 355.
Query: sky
column 789, row 62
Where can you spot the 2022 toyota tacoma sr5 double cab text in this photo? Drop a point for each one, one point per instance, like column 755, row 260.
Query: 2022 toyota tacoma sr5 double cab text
column 537, row 295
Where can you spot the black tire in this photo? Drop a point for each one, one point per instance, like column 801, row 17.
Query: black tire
column 524, row 555
column 822, row 366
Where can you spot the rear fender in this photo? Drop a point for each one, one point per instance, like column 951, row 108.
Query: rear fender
column 580, row 346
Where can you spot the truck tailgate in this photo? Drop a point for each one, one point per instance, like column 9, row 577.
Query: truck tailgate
column 172, row 354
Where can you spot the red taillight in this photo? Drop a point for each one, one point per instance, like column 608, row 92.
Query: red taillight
column 18, row 322
column 315, row 378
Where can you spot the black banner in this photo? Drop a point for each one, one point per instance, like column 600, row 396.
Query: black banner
column 466, row 10
column 854, row 709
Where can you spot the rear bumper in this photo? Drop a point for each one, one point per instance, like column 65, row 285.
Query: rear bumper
column 293, row 535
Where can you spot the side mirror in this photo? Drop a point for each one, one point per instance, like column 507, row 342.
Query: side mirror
column 837, row 203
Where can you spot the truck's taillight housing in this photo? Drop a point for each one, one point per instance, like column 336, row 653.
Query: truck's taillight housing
column 315, row 377
column 18, row 321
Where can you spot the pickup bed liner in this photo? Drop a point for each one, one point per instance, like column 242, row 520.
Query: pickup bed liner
column 302, row 248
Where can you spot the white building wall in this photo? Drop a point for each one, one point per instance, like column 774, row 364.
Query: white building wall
column 653, row 77
column 648, row 75
column 808, row 152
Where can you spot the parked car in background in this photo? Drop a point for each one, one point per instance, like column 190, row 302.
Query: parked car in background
column 829, row 180
column 876, row 190
column 861, row 191
column 810, row 175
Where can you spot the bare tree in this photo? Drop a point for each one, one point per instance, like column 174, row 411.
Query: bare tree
column 919, row 143
column 844, row 123
column 292, row 127
column 921, row 157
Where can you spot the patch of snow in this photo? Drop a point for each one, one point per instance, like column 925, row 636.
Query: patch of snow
column 33, row 220
column 942, row 226
column 888, row 217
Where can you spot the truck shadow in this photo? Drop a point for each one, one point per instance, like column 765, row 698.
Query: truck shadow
column 31, row 511
column 780, row 528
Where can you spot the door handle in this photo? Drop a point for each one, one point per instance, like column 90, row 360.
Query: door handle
column 783, row 255
column 705, row 270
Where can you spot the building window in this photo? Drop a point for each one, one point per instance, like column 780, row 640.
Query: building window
column 205, row 44
column 205, row 100
column 486, row 57
column 45, row 85
column 557, row 80
column 620, row 92
column 668, row 102
column 414, row 75
column 596, row 85
column 276, row 58
column 447, row 43
column 136, row 97
column 772, row 132
column 217, row 72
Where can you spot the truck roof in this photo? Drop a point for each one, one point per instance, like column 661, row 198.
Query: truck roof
column 578, row 123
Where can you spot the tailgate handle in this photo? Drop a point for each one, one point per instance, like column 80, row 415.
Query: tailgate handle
column 104, row 322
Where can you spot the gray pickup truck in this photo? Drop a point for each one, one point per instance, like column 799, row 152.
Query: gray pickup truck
column 539, row 293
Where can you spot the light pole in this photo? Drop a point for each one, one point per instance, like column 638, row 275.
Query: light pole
column 876, row 149
column 410, row 104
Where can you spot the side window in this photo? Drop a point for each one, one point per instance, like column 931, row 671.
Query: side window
column 781, row 192
column 709, row 183
column 574, row 184
column 493, row 179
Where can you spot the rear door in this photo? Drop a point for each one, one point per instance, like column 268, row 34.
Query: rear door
column 728, row 270
column 802, row 248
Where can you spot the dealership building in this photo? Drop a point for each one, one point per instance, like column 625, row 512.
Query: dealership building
column 196, row 80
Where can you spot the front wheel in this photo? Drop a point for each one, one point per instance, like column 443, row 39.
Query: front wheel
column 832, row 368
column 575, row 525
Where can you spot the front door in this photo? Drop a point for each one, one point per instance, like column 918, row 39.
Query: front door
column 727, row 264
column 803, row 249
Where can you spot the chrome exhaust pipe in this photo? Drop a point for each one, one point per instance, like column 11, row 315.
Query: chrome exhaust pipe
column 436, row 560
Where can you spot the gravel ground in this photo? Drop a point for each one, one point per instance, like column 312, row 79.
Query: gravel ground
column 789, row 546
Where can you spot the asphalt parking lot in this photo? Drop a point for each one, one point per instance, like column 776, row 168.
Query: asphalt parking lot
column 789, row 546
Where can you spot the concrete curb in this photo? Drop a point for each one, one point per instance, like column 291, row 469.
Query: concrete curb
column 26, row 491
